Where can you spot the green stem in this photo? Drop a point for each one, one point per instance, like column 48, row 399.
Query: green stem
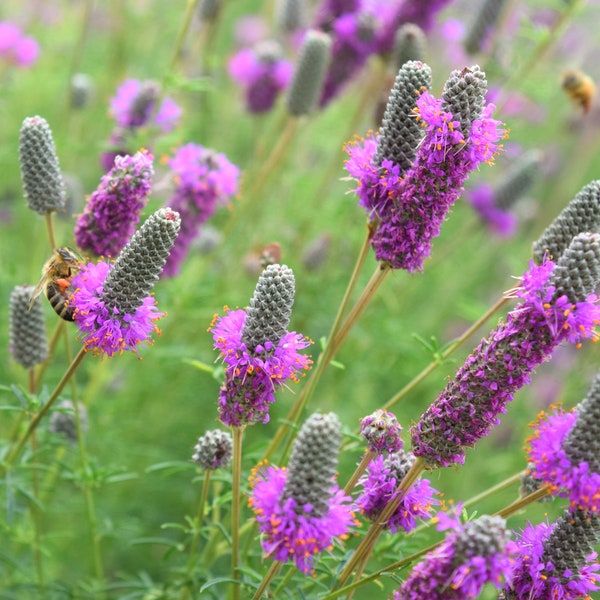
column 183, row 31
column 269, row 576
column 520, row 503
column 16, row 449
column 367, row 544
column 324, row 359
column 445, row 354
column 51, row 347
column 89, row 497
column 50, row 230
column 364, row 463
column 238, row 433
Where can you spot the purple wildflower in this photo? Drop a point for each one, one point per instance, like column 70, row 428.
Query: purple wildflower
column 263, row 74
column 555, row 306
column 556, row 561
column 203, row 179
column 301, row 510
column 472, row 555
column 564, row 450
column 382, row 432
column 113, row 308
column 113, row 210
column 133, row 106
column 499, row 221
column 258, row 351
column 353, row 37
column 17, row 48
column 380, row 484
column 407, row 209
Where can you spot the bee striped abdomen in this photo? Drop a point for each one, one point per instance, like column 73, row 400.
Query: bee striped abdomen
column 57, row 295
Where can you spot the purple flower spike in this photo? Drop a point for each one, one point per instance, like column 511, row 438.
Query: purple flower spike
column 565, row 452
column 556, row 305
column 301, row 510
column 472, row 555
column 133, row 106
column 263, row 73
column 556, row 561
column 113, row 210
column 203, row 180
column 258, row 351
column 383, row 477
column 382, row 432
column 407, row 207
column 113, row 307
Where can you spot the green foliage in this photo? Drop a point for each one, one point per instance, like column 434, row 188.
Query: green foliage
column 120, row 514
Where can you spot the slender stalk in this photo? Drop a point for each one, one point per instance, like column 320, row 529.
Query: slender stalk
column 325, row 357
column 269, row 576
column 378, row 277
column 520, row 503
column 16, row 449
column 51, row 347
column 268, row 167
column 445, row 354
column 367, row 544
column 50, row 230
column 364, row 463
column 183, row 31
column 238, row 433
column 209, row 553
column 88, row 485
column 282, row 585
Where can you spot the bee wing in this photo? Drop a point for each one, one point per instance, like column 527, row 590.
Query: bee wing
column 39, row 288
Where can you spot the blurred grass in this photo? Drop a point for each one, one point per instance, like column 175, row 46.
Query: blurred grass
column 151, row 411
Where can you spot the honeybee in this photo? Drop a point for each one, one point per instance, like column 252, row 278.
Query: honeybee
column 579, row 87
column 57, row 275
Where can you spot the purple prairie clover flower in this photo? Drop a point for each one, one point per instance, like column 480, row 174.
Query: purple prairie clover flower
column 203, row 180
column 133, row 106
column 114, row 310
column 113, row 210
column 556, row 561
column 17, row 48
column 380, row 484
column 301, row 510
column 472, row 555
column 263, row 73
column 407, row 208
column 258, row 352
column 382, row 432
column 565, row 450
column 556, row 305
column 483, row 200
column 353, row 41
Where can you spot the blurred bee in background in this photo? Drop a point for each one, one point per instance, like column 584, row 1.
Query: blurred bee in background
column 57, row 274
column 579, row 87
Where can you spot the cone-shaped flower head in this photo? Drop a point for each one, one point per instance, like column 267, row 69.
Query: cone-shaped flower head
column 40, row 171
column 258, row 351
column 301, row 510
column 213, row 450
column 557, row 304
column 410, row 44
column 384, row 475
column 406, row 208
column 113, row 210
column 28, row 342
column 290, row 14
column 309, row 74
column 263, row 73
column 133, row 106
column 481, row 28
column 62, row 420
column 557, row 560
column 471, row 556
column 580, row 215
column 382, row 432
column 565, row 452
column 209, row 9
column 493, row 204
column 113, row 308
column 203, row 180
column 400, row 133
